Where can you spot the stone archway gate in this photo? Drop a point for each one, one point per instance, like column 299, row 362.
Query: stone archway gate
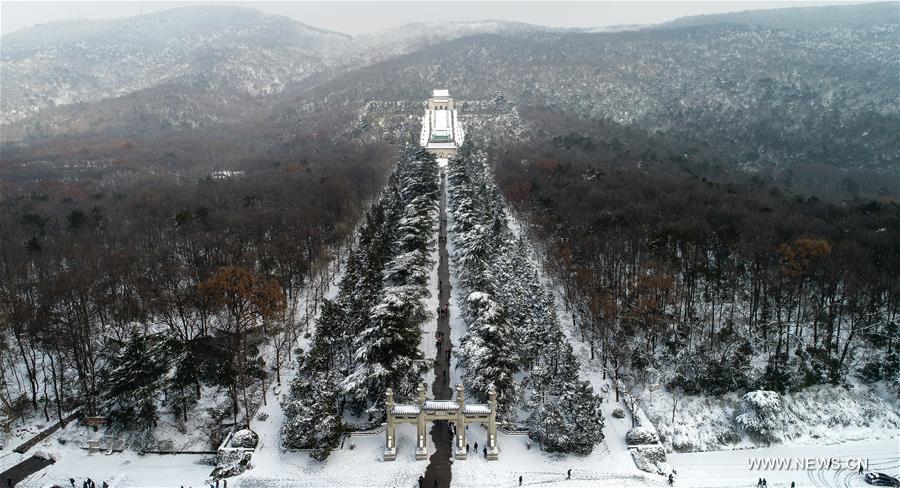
column 455, row 411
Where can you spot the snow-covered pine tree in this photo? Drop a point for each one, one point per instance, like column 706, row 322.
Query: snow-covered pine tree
column 182, row 384
column 486, row 354
column 324, row 350
column 311, row 419
column 388, row 352
column 135, row 378
column 567, row 416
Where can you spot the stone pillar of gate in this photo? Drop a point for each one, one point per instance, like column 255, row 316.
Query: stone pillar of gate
column 421, row 443
column 492, row 451
column 459, row 446
column 390, row 440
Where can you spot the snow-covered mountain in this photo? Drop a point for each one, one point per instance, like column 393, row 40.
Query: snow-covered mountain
column 412, row 37
column 763, row 87
column 818, row 17
column 226, row 51
column 221, row 49
column 763, row 96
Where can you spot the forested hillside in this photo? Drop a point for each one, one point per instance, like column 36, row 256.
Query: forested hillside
column 161, row 287
column 762, row 94
column 708, row 285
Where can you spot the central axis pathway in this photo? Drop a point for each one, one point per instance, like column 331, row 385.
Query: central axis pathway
column 438, row 472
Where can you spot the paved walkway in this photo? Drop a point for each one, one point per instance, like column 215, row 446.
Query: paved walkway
column 17, row 473
column 438, row 472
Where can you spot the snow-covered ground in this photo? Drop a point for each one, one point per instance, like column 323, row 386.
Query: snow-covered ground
column 732, row 468
column 362, row 465
column 125, row 469
column 605, row 466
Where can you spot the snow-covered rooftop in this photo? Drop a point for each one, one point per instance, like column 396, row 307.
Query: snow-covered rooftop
column 477, row 409
column 405, row 410
column 440, row 93
column 441, row 405
column 441, row 145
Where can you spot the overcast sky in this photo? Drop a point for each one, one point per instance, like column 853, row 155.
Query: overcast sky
column 362, row 17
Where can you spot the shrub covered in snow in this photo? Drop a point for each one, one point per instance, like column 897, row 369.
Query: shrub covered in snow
column 45, row 455
column 245, row 438
column 618, row 413
column 641, row 435
column 231, row 462
column 761, row 415
column 651, row 459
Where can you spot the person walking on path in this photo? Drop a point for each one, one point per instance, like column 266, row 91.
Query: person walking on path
column 569, row 474
column 520, row 481
column 485, row 452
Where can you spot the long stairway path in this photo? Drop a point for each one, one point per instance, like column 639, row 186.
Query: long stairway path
column 438, row 472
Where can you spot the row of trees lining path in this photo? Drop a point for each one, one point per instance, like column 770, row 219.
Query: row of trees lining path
column 441, row 460
column 367, row 339
column 511, row 321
